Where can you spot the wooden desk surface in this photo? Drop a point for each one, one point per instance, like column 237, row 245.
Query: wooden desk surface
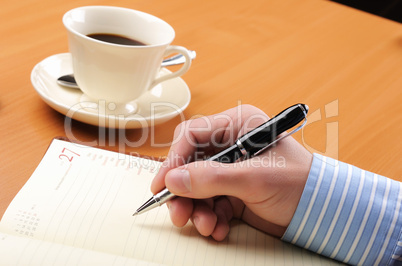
column 345, row 64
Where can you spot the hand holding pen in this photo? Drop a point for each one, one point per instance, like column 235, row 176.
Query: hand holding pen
column 261, row 191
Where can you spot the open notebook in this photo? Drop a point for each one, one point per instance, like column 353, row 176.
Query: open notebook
column 76, row 209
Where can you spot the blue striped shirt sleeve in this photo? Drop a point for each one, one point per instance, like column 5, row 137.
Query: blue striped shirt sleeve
column 349, row 215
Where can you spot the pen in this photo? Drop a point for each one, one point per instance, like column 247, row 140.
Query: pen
column 248, row 145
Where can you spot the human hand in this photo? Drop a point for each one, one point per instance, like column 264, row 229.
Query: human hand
column 263, row 191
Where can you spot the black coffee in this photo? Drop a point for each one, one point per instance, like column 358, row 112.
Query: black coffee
column 114, row 38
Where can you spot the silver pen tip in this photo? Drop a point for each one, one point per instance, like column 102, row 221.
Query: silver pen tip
column 135, row 213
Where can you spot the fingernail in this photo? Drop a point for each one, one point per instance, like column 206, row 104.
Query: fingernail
column 196, row 220
column 170, row 208
column 180, row 180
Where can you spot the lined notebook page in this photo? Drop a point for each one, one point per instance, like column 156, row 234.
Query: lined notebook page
column 84, row 198
column 16, row 250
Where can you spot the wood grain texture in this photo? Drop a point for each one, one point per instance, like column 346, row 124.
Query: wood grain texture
column 345, row 64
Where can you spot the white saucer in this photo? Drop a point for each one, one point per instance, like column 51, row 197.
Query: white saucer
column 161, row 103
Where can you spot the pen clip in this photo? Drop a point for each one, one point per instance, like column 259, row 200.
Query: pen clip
column 284, row 136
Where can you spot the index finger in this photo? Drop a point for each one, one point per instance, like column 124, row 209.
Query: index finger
column 206, row 136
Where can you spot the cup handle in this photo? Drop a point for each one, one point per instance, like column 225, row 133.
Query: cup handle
column 174, row 49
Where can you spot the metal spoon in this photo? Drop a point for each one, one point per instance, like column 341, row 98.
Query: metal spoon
column 69, row 80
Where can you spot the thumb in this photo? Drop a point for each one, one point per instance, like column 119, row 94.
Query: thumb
column 205, row 179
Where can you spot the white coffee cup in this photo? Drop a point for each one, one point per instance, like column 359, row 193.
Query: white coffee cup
column 117, row 73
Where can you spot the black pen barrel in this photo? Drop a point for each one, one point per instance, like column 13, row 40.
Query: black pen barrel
column 229, row 155
column 266, row 133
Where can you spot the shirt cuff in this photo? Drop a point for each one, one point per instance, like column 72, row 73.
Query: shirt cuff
column 348, row 214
